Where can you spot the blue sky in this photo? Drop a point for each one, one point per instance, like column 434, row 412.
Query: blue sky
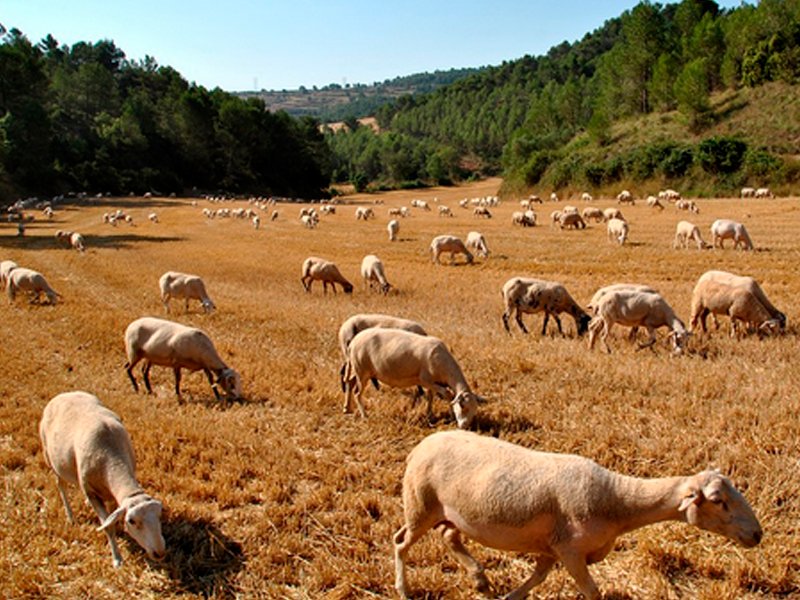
column 280, row 44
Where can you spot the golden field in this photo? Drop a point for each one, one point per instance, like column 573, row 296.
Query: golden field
column 283, row 496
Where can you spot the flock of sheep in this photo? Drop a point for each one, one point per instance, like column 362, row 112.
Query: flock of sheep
column 559, row 507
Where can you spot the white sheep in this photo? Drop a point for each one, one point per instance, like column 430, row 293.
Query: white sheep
column 527, row 295
column 612, row 213
column 477, row 242
column 723, row 229
column 183, row 285
column 481, row 211
column 555, row 217
column 274, row 216
column 654, row 202
column 763, row 193
column 86, row 444
column 373, row 273
column 685, row 232
column 358, row 323
column 586, row 197
column 32, row 282
column 444, row 211
column 560, row 507
column 393, row 228
column 6, row 267
column 634, row 308
column 319, row 269
column 451, row 244
column 748, row 192
column 598, row 295
column 403, row 359
column 364, row 213
column 625, row 197
column 687, row 205
column 739, row 297
column 553, row 197
column 77, row 242
column 169, row 344
column 571, row 220
column 525, row 219
column 309, row 221
column 256, row 221
column 153, row 217
column 617, row 230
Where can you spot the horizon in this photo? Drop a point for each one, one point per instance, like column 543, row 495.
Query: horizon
column 295, row 51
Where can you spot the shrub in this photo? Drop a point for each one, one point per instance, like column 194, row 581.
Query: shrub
column 760, row 164
column 721, row 155
column 678, row 162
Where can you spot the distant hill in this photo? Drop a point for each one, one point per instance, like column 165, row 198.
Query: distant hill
column 335, row 102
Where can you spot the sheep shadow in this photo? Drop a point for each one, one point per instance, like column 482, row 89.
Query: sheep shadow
column 201, row 559
column 126, row 239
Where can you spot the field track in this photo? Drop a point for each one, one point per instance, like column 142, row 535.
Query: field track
column 283, row 496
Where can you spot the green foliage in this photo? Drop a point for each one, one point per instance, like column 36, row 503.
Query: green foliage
column 760, row 165
column 692, row 93
column 721, row 155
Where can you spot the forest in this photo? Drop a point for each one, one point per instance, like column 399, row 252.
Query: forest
column 674, row 94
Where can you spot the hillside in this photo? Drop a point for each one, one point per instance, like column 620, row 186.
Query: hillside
column 335, row 102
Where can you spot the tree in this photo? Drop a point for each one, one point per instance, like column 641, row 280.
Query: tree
column 692, row 93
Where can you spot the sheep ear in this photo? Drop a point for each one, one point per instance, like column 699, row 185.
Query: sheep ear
column 112, row 518
column 696, row 497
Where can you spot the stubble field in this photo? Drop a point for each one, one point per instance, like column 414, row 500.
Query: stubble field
column 283, row 496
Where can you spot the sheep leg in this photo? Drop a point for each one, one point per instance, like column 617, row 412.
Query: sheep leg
column 62, row 490
column 558, row 322
column 359, row 403
column 177, row 371
column 544, row 323
column 186, row 306
column 214, row 385
column 576, row 566
column 405, row 537
column 129, row 370
column 452, row 540
column 110, row 531
column 506, row 316
column 543, row 566
column 518, row 317
column 607, row 325
column 146, row 375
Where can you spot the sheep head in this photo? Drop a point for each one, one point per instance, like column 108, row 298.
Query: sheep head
column 465, row 407
column 142, row 521
column 714, row 504
column 231, row 383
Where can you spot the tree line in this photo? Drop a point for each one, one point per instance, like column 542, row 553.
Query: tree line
column 87, row 118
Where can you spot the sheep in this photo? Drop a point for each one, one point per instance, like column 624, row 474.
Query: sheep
column 358, row 323
column 32, row 282
column 572, row 220
column 365, row 213
column 625, row 197
column 716, row 293
column 169, row 344
column 568, row 208
column 687, row 205
column 594, row 303
column 477, row 242
column 587, row 197
column 555, row 218
column 183, row 285
column 612, row 213
column 592, row 213
column 451, row 244
column 77, row 242
column 534, row 199
column 525, row 219
column 400, row 358
column 153, row 217
column 373, row 273
column 669, row 195
column 393, row 228
column 63, row 238
column 394, row 212
column 86, row 444
column 6, row 267
column 553, row 197
column 654, row 202
column 763, row 193
column 748, row 192
column 309, row 221
column 617, row 230
column 256, row 221
column 274, row 215
column 723, row 229
column 420, row 204
column 527, row 295
column 634, row 308
column 482, row 211
column 686, row 231
column 560, row 507
column 405, row 212
column 319, row 269
column 444, row 211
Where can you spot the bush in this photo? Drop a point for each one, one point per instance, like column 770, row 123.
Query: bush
column 535, row 166
column 677, row 163
column 721, row 155
column 761, row 165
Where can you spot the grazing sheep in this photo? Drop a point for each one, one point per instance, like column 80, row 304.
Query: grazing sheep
column 617, row 230
column 358, row 323
column 394, row 212
column 717, row 292
column 587, row 197
column 686, row 231
column 568, row 208
column 571, row 220
column 482, row 211
column 168, row 344
column 612, row 213
column 309, row 221
column 553, row 197
column 669, row 195
column 598, row 295
column 77, row 242
column 365, row 213
column 654, row 202
column 560, row 507
column 637, row 309
column 32, row 282
column 319, row 269
column 534, row 199
column 373, row 273
column 526, row 295
column 525, row 219
column 6, row 267
column 451, row 244
column 403, row 359
column 256, row 220
column 182, row 285
column 625, row 197
column 592, row 213
column 86, row 444
column 555, row 218
column 63, row 238
column 687, row 205
column 274, row 215
column 444, row 211
column 477, row 242
column 393, row 228
column 723, row 229
column 153, row 217
column 405, row 212
column 763, row 193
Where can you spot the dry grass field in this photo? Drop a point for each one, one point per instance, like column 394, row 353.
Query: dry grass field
column 283, row 496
